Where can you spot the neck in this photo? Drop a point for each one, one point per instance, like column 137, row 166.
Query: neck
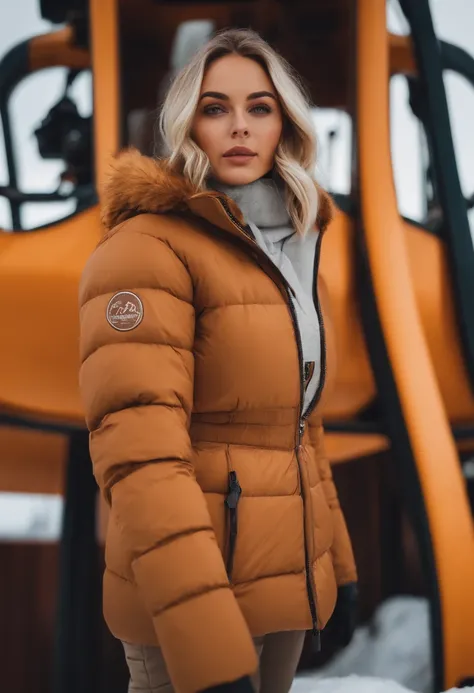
column 261, row 202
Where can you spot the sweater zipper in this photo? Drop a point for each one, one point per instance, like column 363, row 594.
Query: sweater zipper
column 310, row 587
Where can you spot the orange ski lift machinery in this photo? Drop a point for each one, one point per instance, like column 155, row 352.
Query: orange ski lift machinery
column 400, row 291
column 404, row 365
column 42, row 434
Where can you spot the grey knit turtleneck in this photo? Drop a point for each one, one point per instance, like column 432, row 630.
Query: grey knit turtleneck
column 263, row 206
column 262, row 202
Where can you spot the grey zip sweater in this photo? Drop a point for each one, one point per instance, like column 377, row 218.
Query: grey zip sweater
column 263, row 206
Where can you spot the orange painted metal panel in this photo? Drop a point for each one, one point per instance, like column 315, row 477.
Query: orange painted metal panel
column 106, row 71
column 32, row 461
column 39, row 349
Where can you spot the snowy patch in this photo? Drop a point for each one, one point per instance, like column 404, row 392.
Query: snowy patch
column 348, row 684
column 354, row 684
column 393, row 650
column 30, row 517
column 395, row 646
column 391, row 655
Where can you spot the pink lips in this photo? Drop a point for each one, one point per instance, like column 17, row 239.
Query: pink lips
column 241, row 152
column 239, row 156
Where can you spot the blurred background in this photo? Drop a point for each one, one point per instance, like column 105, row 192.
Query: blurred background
column 32, row 99
column 394, row 640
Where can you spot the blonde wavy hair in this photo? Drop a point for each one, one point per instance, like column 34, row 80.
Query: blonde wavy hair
column 295, row 157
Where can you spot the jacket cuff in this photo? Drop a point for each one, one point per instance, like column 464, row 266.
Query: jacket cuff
column 209, row 633
column 243, row 685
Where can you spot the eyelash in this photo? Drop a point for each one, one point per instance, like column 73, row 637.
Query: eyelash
column 208, row 110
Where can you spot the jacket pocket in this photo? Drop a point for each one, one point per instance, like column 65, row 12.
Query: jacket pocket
column 231, row 503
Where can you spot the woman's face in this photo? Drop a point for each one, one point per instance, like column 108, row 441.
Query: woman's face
column 238, row 121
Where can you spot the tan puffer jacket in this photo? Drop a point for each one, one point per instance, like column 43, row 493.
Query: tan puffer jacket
column 224, row 519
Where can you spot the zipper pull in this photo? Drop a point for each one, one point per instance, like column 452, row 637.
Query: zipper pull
column 316, row 639
column 235, row 491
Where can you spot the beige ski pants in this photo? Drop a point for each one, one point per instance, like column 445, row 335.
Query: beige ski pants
column 279, row 654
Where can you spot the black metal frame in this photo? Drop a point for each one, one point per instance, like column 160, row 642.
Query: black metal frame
column 14, row 67
column 431, row 58
column 458, row 60
column 77, row 647
column 78, row 611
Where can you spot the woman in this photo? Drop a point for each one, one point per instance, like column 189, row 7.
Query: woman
column 206, row 356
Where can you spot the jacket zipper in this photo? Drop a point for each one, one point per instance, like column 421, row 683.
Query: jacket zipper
column 310, row 588
column 232, row 501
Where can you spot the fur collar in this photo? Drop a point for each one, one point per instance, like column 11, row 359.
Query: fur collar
column 138, row 184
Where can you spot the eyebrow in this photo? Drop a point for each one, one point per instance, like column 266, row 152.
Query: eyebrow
column 260, row 94
column 224, row 97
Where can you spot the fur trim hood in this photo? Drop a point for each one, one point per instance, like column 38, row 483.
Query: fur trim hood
column 138, row 184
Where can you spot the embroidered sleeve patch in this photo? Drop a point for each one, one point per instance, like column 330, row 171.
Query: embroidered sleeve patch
column 124, row 311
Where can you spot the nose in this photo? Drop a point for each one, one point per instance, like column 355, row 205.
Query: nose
column 240, row 132
column 240, row 126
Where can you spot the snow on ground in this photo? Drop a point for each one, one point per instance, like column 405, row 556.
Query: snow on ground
column 355, row 684
column 30, row 517
column 391, row 655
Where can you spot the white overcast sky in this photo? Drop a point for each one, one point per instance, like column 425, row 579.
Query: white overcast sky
column 454, row 21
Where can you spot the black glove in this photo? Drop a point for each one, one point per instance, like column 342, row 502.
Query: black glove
column 243, row 685
column 343, row 622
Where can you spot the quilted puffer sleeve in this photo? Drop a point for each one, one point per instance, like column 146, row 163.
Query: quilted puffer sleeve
column 341, row 550
column 136, row 379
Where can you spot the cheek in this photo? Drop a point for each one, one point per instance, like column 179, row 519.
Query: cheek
column 272, row 138
column 206, row 137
